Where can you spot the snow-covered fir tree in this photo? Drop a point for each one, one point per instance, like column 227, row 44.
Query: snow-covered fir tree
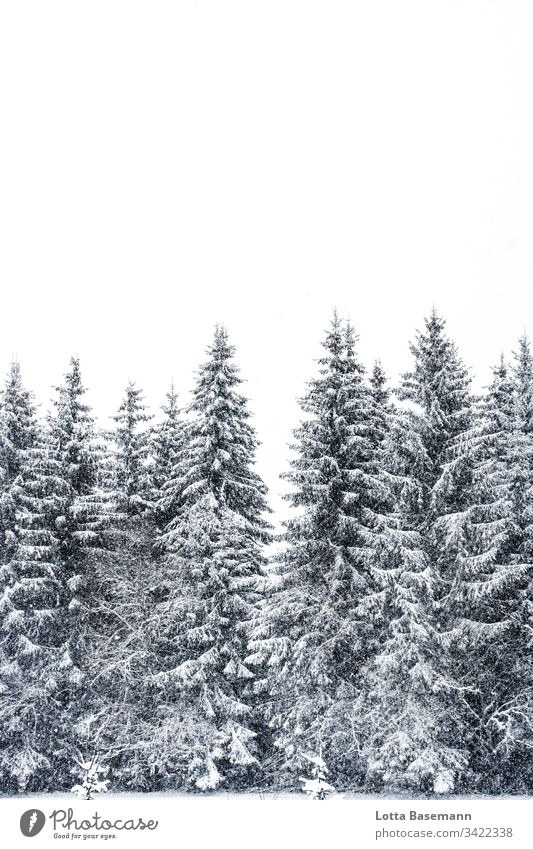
column 82, row 517
column 317, row 786
column 406, row 713
column 92, row 778
column 31, row 598
column 488, row 580
column 120, row 721
column 134, row 485
column 321, row 622
column 413, row 706
column 167, row 441
column 494, row 599
column 214, row 571
column 439, row 386
column 118, row 717
column 521, row 459
column 481, row 611
column 82, row 514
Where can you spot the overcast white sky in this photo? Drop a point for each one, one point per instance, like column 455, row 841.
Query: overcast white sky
column 164, row 166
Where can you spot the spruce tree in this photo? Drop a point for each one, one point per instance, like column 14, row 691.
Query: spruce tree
column 121, row 724
column 440, row 386
column 321, row 621
column 81, row 522
column 214, row 562
column 415, row 707
column 167, row 440
column 406, row 716
column 494, row 601
column 521, row 459
column 31, row 600
column 134, row 485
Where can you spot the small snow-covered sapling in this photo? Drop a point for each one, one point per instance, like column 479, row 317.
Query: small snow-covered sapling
column 92, row 782
column 317, row 787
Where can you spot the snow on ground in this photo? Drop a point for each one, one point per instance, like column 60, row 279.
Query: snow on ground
column 264, row 796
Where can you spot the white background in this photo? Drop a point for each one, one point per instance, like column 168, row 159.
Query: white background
column 164, row 166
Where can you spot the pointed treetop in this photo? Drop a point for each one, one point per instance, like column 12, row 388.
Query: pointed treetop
column 351, row 339
column 72, row 432
column 338, row 339
column 499, row 402
column 220, row 348
column 171, row 408
column 132, row 407
column 439, row 382
column 18, row 423
column 523, row 382
column 134, row 486
column 68, row 401
column 523, row 358
column 13, row 375
column 378, row 384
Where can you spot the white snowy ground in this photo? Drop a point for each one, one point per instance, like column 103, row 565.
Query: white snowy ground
column 263, row 796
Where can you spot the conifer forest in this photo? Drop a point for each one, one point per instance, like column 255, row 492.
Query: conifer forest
column 150, row 615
